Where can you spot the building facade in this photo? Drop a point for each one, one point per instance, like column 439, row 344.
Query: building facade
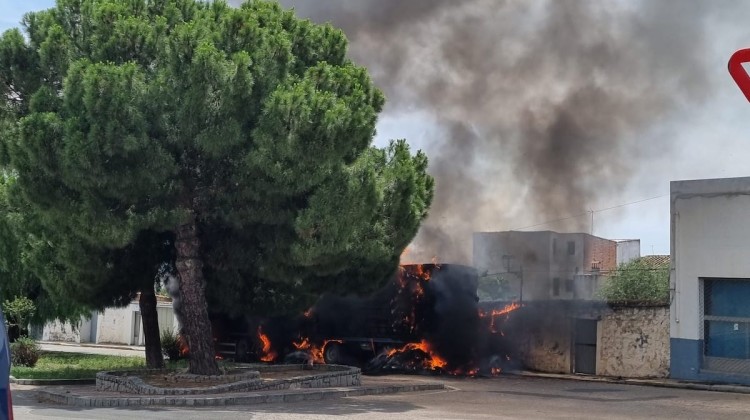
column 549, row 265
column 110, row 326
column 710, row 280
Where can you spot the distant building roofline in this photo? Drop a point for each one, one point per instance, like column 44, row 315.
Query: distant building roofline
column 550, row 232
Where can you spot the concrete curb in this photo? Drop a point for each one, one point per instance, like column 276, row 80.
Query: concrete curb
column 659, row 383
column 52, row 381
column 237, row 399
column 321, row 376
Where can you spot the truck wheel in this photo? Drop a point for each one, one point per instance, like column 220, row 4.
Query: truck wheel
column 241, row 351
column 333, row 353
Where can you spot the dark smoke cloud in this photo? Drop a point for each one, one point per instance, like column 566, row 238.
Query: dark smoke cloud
column 538, row 104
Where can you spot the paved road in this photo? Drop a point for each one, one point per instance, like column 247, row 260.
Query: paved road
column 501, row 398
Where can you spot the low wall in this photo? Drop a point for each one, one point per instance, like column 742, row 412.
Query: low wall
column 634, row 343
column 67, row 332
column 546, row 344
column 320, row 376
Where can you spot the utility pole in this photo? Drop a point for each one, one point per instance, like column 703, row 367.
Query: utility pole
column 520, row 293
column 592, row 221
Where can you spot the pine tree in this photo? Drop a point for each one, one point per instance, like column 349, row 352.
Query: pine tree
column 205, row 122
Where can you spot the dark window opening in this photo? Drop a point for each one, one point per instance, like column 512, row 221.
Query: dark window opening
column 571, row 248
column 726, row 315
column 569, row 286
column 555, row 287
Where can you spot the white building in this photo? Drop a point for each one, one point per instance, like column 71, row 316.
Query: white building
column 111, row 326
column 710, row 280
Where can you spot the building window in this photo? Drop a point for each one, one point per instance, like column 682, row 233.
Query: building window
column 571, row 248
column 569, row 286
column 726, row 324
column 554, row 246
column 555, row 287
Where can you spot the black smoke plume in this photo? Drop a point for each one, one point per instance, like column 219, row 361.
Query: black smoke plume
column 539, row 106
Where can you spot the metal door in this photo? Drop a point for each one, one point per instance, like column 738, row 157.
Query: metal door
column 585, row 346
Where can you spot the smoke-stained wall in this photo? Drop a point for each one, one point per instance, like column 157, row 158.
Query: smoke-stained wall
column 534, row 108
column 632, row 342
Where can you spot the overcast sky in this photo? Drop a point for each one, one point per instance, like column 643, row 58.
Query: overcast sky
column 710, row 139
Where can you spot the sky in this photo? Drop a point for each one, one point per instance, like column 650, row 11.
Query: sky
column 709, row 139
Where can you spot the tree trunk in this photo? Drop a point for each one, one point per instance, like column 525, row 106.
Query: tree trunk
column 194, row 310
column 147, row 303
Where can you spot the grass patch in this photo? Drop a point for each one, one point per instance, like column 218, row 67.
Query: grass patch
column 64, row 365
column 58, row 365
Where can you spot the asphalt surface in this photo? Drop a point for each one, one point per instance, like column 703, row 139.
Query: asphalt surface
column 500, row 398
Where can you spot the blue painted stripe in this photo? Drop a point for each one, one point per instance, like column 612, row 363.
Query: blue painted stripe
column 685, row 358
column 686, row 361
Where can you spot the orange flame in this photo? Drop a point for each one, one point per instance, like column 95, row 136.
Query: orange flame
column 182, row 342
column 498, row 312
column 433, row 362
column 309, row 313
column 268, row 354
column 507, row 309
column 422, row 273
column 316, row 352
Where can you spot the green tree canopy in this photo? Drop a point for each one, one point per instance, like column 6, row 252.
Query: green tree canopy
column 243, row 132
column 18, row 276
column 66, row 278
column 637, row 282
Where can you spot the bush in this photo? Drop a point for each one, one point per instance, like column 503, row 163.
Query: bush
column 24, row 352
column 637, row 282
column 494, row 287
column 18, row 312
column 171, row 345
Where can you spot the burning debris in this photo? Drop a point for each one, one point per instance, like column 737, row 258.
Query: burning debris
column 426, row 320
column 268, row 355
column 495, row 313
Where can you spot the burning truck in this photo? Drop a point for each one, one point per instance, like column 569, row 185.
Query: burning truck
column 426, row 319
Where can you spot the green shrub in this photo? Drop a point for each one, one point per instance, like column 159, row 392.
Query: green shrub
column 171, row 345
column 18, row 312
column 637, row 282
column 494, row 287
column 24, row 352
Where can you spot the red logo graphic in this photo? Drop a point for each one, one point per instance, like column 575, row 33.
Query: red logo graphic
column 738, row 72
